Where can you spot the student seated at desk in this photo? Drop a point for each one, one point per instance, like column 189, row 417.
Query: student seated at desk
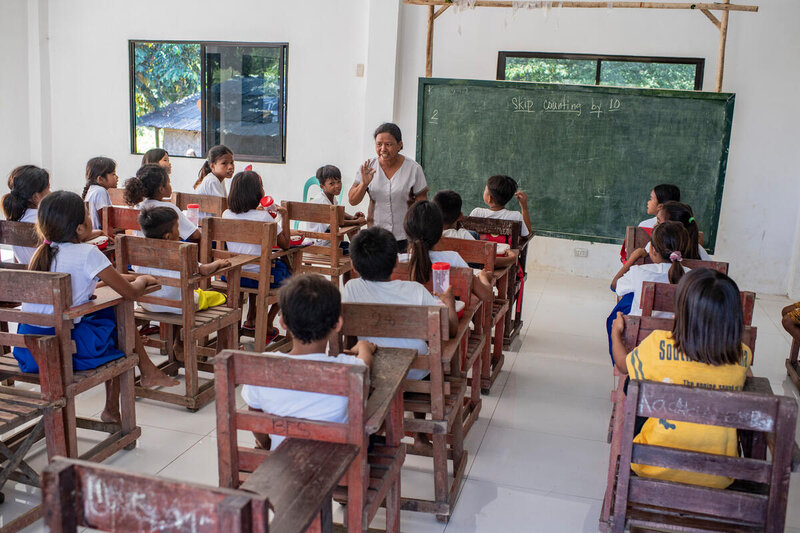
column 330, row 181
column 423, row 226
column 312, row 313
column 218, row 167
column 28, row 185
column 163, row 223
column 658, row 196
column 498, row 192
column 101, row 175
column 63, row 222
column 449, row 203
column 704, row 349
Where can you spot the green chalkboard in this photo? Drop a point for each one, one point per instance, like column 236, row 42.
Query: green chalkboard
column 587, row 156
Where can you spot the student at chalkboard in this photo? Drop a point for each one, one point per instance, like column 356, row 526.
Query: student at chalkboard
column 682, row 213
column 660, row 194
column 498, row 192
column 669, row 245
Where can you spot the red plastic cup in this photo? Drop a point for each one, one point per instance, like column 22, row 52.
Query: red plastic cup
column 267, row 201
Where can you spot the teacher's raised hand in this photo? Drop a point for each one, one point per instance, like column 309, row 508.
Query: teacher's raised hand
column 367, row 173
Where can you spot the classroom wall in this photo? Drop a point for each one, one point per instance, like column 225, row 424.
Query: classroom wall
column 759, row 224
column 13, row 87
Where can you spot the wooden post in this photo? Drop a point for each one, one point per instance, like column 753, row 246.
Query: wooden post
column 723, row 36
column 429, row 46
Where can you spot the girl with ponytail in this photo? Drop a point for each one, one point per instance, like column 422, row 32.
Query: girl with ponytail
column 148, row 189
column 669, row 244
column 423, row 226
column 216, row 169
column 101, row 175
column 63, row 224
column 159, row 156
column 682, row 213
column 28, row 184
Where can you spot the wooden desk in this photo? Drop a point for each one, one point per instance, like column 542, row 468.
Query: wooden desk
column 761, row 386
column 389, row 369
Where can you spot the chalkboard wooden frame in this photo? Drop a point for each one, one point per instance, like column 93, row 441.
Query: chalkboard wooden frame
column 710, row 218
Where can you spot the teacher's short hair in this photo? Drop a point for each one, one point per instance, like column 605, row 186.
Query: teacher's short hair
column 391, row 129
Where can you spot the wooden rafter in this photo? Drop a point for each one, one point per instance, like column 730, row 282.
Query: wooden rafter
column 705, row 8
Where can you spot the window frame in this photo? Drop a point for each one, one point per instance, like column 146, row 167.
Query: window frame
column 698, row 62
column 282, row 97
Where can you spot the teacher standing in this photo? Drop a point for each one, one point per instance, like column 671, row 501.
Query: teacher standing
column 393, row 183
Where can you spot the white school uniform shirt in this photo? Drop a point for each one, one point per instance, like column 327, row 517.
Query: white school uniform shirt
column 502, row 214
column 397, row 292
column 459, row 233
column 23, row 254
column 259, row 215
column 450, row 257
column 212, row 186
column 319, row 227
column 301, row 404
column 97, row 197
column 83, row 262
column 390, row 196
column 650, row 223
column 632, row 282
column 166, row 291
column 185, row 226
column 700, row 250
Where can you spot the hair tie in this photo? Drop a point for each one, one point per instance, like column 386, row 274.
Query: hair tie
column 691, row 219
column 48, row 243
column 676, row 256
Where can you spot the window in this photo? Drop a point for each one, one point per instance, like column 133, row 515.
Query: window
column 189, row 96
column 621, row 71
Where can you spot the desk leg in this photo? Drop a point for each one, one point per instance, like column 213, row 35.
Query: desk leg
column 394, row 432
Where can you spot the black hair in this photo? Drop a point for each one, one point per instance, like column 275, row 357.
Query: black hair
column 501, row 188
column 682, row 213
column 328, row 172
column 709, row 322
column 24, row 182
column 391, row 129
column 149, row 179
column 449, row 203
column 423, row 226
column 214, row 153
column 60, row 214
column 246, row 191
column 97, row 167
column 669, row 237
column 667, row 193
column 373, row 252
column 156, row 221
column 153, row 155
column 311, row 306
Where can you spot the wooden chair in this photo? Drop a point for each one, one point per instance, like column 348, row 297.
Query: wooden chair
column 196, row 325
column 50, row 288
column 77, row 493
column 215, row 205
column 367, row 484
column 19, row 407
column 441, row 396
column 636, row 237
column 484, row 253
column 117, row 197
column 322, row 259
column 661, row 297
column 15, row 234
column 516, row 283
column 119, row 220
column 249, row 232
column 468, row 346
column 636, row 330
column 646, row 503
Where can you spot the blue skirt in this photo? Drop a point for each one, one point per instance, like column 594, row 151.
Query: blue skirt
column 95, row 339
column 280, row 272
column 624, row 305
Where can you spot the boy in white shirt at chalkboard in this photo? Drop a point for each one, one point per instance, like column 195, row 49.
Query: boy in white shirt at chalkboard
column 498, row 192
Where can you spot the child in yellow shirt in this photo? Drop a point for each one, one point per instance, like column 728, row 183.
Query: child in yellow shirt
column 704, row 349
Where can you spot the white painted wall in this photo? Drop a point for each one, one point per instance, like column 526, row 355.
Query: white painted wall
column 759, row 222
column 68, row 99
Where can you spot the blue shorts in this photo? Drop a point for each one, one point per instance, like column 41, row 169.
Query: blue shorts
column 95, row 339
column 280, row 272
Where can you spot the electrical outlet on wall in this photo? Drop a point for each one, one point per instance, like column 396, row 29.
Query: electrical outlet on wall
column 360, row 70
column 581, row 252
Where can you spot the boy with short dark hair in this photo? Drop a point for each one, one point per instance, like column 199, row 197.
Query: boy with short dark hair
column 498, row 192
column 311, row 310
column 330, row 182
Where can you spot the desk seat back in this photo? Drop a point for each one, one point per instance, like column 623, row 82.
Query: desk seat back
column 479, row 252
column 217, row 229
column 47, row 288
column 637, row 328
column 119, row 219
column 80, row 493
column 460, row 280
column 641, row 498
column 333, row 215
column 216, row 205
column 18, row 233
column 233, row 368
column 511, row 229
column 661, row 297
column 117, row 197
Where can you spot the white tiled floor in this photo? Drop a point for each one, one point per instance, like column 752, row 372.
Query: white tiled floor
column 537, row 455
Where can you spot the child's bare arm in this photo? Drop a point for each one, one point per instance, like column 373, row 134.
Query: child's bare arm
column 509, row 259
column 354, row 220
column 617, row 344
column 128, row 290
column 482, row 286
column 622, row 271
column 523, row 204
column 364, row 350
column 210, row 268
